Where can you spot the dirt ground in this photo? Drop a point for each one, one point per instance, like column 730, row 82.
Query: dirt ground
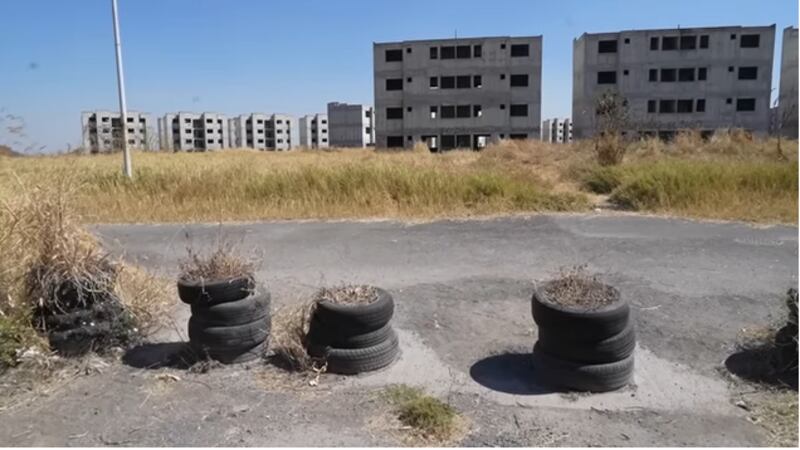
column 462, row 292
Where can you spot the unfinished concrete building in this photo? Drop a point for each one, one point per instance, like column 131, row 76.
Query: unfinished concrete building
column 314, row 131
column 351, row 126
column 457, row 93
column 557, row 131
column 187, row 131
column 264, row 131
column 700, row 78
column 102, row 131
column 786, row 120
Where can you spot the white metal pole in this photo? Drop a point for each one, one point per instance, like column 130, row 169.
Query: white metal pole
column 123, row 110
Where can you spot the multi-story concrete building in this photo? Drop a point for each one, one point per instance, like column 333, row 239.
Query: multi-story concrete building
column 702, row 78
column 187, row 131
column 787, row 99
column 102, row 131
column 457, row 93
column 557, row 131
column 314, row 131
column 351, row 125
column 264, row 131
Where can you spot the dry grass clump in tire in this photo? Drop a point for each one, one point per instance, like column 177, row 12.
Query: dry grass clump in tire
column 426, row 415
column 576, row 287
column 223, row 262
column 347, row 295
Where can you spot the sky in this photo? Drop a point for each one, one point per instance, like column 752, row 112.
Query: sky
column 290, row 56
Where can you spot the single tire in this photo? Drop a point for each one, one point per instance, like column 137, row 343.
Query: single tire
column 352, row 361
column 615, row 348
column 318, row 334
column 203, row 335
column 581, row 377
column 580, row 324
column 210, row 292
column 351, row 320
column 237, row 312
column 237, row 356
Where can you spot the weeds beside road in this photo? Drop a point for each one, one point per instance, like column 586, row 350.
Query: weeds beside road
column 728, row 177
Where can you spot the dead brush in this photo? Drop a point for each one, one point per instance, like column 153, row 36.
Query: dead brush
column 350, row 294
column 575, row 286
column 289, row 330
column 224, row 261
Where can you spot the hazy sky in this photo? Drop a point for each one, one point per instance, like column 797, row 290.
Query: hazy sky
column 292, row 56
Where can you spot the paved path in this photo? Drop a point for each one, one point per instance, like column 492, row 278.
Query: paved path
column 462, row 290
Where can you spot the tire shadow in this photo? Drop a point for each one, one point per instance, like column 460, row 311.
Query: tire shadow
column 510, row 373
column 175, row 355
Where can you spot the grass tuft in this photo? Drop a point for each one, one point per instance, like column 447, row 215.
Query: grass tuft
column 429, row 416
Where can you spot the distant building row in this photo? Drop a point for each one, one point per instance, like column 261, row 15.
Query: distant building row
column 463, row 93
column 351, row 126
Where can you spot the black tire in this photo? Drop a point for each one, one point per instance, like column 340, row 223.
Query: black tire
column 238, row 312
column 238, row 355
column 353, row 361
column 318, row 334
column 615, row 348
column 210, row 292
column 561, row 373
column 580, row 324
column 351, row 320
column 203, row 335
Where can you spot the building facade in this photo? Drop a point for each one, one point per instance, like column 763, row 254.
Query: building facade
column 701, row 78
column 187, row 131
column 457, row 93
column 786, row 119
column 102, row 131
column 557, row 131
column 314, row 131
column 264, row 131
column 351, row 125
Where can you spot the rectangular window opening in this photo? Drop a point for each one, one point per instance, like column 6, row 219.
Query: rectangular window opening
column 669, row 43
column 686, row 74
column 607, row 77
column 520, row 110
column 609, row 46
column 463, row 52
column 749, row 41
column 463, row 111
column 520, row 50
column 668, row 75
column 394, row 84
column 654, row 43
column 685, row 106
column 448, row 52
column 745, row 104
column 748, row 73
column 394, row 55
column 394, row 113
column 519, row 80
column 688, row 42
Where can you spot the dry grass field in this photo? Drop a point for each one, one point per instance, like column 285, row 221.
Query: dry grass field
column 727, row 177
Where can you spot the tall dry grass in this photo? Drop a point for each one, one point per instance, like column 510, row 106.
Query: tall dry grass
column 730, row 176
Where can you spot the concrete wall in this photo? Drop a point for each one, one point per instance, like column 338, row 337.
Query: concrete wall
column 787, row 101
column 350, row 125
column 494, row 95
column 634, row 59
column 101, row 131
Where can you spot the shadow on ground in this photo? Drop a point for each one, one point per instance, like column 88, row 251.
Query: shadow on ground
column 762, row 364
column 176, row 355
column 511, row 373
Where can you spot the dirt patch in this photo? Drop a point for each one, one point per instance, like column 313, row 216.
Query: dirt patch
column 348, row 295
column 576, row 288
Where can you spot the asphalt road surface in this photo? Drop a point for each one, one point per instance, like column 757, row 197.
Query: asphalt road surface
column 462, row 290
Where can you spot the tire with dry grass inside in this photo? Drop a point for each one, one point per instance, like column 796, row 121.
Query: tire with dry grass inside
column 352, row 320
column 353, row 361
column 615, row 348
column 580, row 324
column 211, row 292
column 237, row 312
column 562, row 373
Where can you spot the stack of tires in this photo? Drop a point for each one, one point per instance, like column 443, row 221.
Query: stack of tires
column 230, row 320
column 352, row 339
column 583, row 350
